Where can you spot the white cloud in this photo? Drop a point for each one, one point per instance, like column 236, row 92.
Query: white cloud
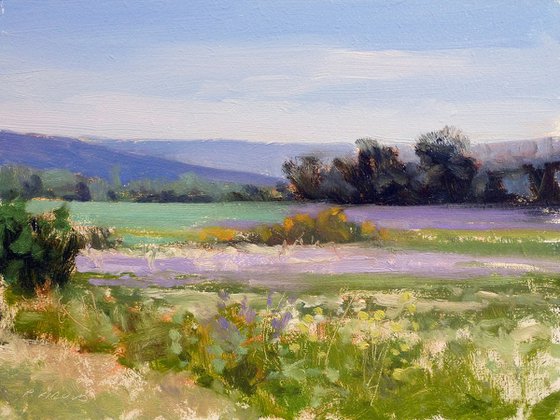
column 282, row 71
column 290, row 93
column 126, row 116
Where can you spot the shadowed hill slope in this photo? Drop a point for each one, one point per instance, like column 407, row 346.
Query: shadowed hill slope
column 94, row 160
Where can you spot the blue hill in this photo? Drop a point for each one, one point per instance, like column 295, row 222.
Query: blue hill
column 94, row 160
column 264, row 158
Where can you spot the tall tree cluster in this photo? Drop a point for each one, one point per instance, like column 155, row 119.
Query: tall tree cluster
column 445, row 173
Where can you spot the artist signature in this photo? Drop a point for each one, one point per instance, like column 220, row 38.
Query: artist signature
column 55, row 395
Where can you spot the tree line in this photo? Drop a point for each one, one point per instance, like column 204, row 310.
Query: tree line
column 445, row 173
column 21, row 182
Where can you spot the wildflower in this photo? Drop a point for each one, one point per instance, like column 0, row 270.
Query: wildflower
column 304, row 329
column 404, row 347
column 224, row 297
column 362, row 345
column 363, row 316
column 247, row 312
column 379, row 315
column 224, row 323
column 406, row 296
column 167, row 317
column 280, row 324
column 322, row 331
column 368, row 228
column 359, row 305
column 308, row 319
column 288, row 224
column 396, row 327
column 294, row 347
column 107, row 297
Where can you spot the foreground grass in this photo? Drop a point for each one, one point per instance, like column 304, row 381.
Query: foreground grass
column 40, row 380
column 487, row 348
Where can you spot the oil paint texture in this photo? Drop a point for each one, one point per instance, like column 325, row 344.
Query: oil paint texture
column 288, row 210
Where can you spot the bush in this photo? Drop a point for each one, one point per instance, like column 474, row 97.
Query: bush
column 36, row 251
column 330, row 225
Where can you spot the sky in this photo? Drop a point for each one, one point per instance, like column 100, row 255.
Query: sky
column 285, row 71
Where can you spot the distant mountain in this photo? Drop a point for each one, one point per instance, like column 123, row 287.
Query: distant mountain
column 513, row 154
column 239, row 161
column 96, row 160
column 237, row 155
column 267, row 158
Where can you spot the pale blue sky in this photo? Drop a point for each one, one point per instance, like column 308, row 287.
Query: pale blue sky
column 280, row 70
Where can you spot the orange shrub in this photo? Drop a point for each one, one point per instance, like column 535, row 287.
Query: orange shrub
column 217, row 234
column 330, row 225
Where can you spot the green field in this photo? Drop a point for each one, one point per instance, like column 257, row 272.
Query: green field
column 139, row 223
column 166, row 217
column 340, row 345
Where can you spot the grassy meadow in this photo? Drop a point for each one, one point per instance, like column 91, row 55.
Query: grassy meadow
column 351, row 345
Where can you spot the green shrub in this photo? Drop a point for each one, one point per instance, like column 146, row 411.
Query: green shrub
column 36, row 251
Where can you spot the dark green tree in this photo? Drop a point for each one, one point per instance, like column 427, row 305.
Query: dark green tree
column 82, row 192
column 379, row 175
column 544, row 185
column 305, row 175
column 448, row 170
column 33, row 187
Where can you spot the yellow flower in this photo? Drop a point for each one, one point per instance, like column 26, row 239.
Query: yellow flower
column 379, row 315
column 304, row 329
column 294, row 347
column 218, row 234
column 288, row 223
column 396, row 327
column 384, row 234
column 368, row 228
column 362, row 345
column 308, row 319
column 363, row 316
column 406, row 296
